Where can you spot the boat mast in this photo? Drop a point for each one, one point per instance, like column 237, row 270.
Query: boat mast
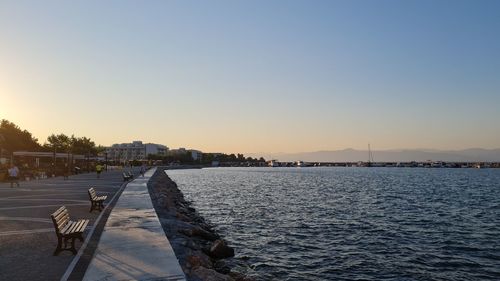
column 370, row 156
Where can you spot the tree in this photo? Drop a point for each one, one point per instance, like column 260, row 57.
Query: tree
column 241, row 157
column 12, row 138
column 59, row 143
column 74, row 145
column 84, row 145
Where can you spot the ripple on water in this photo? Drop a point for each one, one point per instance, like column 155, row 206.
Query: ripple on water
column 354, row 223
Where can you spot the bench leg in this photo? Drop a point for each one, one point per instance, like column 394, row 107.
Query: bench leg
column 59, row 244
column 73, row 249
column 66, row 242
column 66, row 248
column 93, row 207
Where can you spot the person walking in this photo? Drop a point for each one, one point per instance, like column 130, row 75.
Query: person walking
column 66, row 171
column 13, row 175
column 143, row 170
column 98, row 169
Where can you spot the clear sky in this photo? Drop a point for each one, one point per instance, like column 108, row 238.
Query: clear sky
column 255, row 76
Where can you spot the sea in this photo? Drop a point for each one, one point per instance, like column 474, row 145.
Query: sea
column 333, row 223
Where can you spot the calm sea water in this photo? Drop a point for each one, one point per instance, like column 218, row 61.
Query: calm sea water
column 354, row 223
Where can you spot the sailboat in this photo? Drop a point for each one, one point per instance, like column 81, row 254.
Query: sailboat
column 370, row 157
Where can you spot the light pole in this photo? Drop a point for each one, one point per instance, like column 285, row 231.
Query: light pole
column 106, row 160
column 54, row 162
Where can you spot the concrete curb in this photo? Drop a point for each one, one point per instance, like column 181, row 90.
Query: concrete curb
column 133, row 245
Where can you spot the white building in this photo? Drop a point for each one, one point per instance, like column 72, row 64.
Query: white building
column 196, row 154
column 134, row 151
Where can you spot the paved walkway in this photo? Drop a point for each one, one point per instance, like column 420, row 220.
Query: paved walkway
column 133, row 245
column 27, row 238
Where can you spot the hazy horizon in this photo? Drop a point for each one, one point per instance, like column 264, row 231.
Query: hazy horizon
column 256, row 76
column 392, row 155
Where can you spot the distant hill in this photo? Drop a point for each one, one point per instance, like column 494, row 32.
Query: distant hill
column 407, row 155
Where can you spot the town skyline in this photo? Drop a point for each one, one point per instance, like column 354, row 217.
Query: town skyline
column 255, row 77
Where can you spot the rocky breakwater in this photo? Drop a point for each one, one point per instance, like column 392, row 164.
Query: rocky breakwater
column 202, row 253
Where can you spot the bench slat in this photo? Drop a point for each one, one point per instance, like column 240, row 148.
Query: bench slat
column 92, row 194
column 58, row 211
column 63, row 223
column 82, row 226
column 61, row 214
column 66, row 227
column 77, row 226
column 71, row 229
column 61, row 218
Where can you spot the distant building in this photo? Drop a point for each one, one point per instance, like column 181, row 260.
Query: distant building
column 178, row 151
column 134, row 151
column 195, row 154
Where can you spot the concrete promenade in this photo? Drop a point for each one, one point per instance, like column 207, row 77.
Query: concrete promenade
column 133, row 245
column 27, row 236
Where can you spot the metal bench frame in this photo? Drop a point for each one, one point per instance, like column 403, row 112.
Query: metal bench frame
column 67, row 229
column 127, row 176
column 96, row 202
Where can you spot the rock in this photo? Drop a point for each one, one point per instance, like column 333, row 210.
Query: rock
column 221, row 267
column 196, row 244
column 206, row 274
column 204, row 234
column 199, row 232
column 220, row 250
column 182, row 217
column 187, row 232
column 193, row 245
column 194, row 261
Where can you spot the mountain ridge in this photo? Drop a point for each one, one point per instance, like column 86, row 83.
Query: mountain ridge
column 393, row 155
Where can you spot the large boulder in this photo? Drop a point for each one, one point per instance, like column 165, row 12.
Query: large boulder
column 220, row 250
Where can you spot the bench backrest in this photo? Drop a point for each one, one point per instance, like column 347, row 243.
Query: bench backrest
column 92, row 193
column 60, row 218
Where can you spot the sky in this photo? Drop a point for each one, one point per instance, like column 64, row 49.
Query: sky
column 255, row 76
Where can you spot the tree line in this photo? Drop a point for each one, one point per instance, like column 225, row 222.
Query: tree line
column 206, row 158
column 13, row 138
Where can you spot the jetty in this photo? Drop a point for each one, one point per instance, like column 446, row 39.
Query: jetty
column 133, row 245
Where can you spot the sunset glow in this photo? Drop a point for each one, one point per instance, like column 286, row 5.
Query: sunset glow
column 217, row 78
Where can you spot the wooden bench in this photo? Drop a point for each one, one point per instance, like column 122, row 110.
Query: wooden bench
column 96, row 201
column 67, row 229
column 127, row 176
